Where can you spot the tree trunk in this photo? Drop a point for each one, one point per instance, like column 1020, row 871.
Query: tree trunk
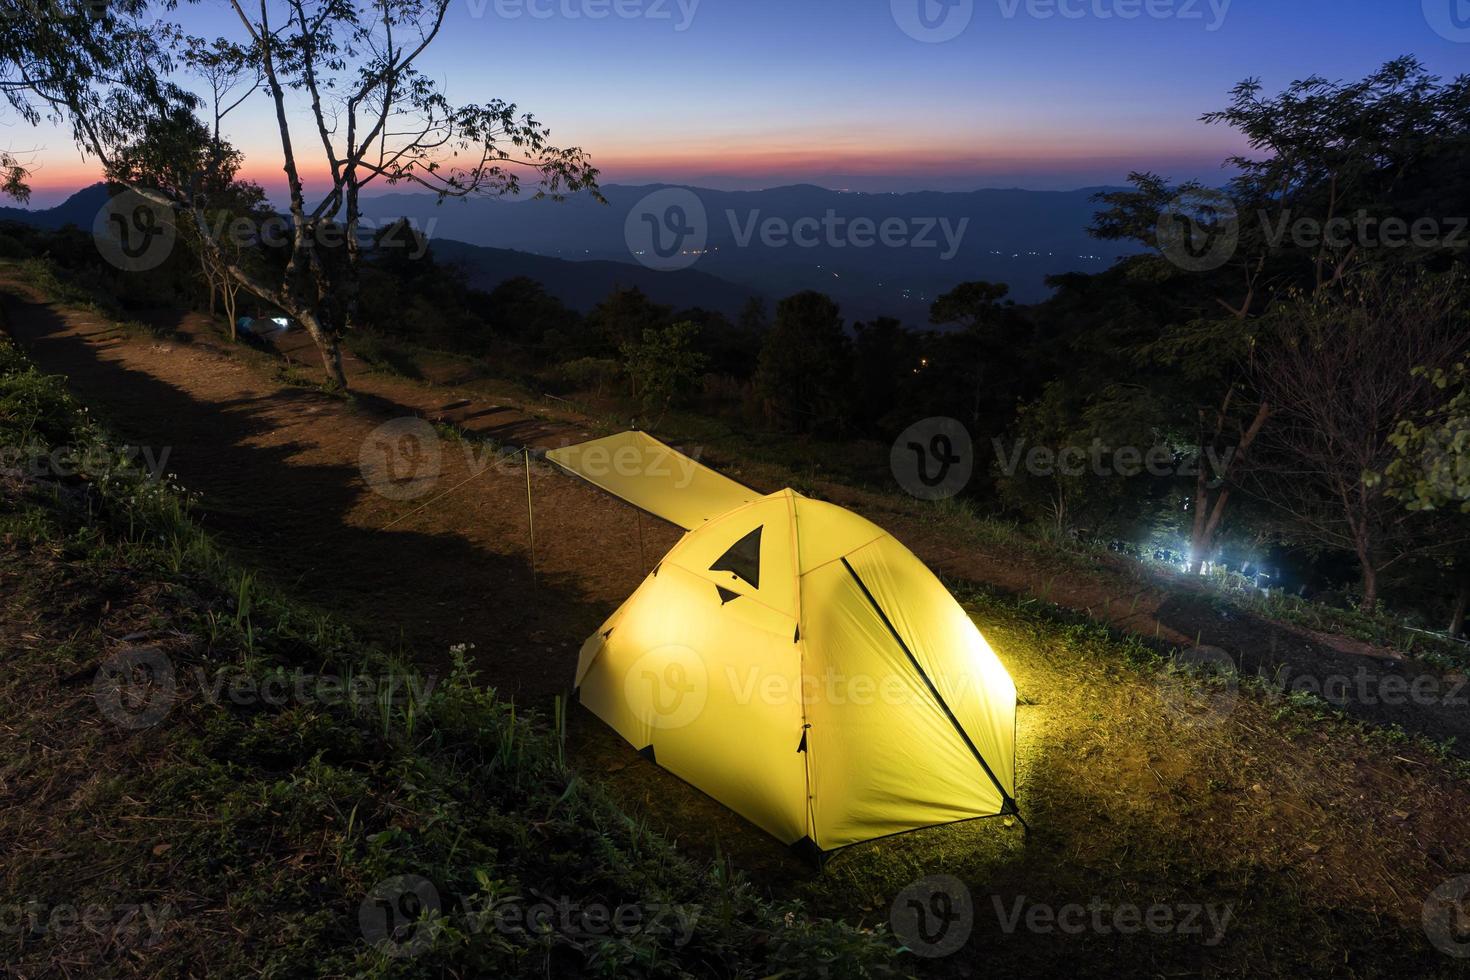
column 332, row 360
column 1205, row 527
column 327, row 344
column 229, row 298
column 1462, row 603
column 1370, row 586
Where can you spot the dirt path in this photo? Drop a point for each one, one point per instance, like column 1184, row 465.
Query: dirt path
column 278, row 464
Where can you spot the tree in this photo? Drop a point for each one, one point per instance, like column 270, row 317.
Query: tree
column 1431, row 469
column 885, row 357
column 664, row 365
column 976, row 307
column 375, row 115
column 1327, row 155
column 624, row 316
column 1343, row 369
column 753, row 318
column 521, row 309
column 804, row 365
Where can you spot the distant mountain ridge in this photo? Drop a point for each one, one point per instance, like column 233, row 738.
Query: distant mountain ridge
column 578, row 247
column 1018, row 237
column 80, row 209
column 582, row 285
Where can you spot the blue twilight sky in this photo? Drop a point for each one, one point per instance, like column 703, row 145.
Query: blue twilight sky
column 863, row 94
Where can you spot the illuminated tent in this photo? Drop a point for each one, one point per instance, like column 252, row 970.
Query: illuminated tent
column 795, row 662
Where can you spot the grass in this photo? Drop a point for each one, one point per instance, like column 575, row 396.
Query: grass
column 211, row 779
column 1158, row 788
column 1144, row 786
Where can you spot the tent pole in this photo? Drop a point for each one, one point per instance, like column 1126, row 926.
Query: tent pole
column 530, row 515
column 1007, row 802
column 642, row 558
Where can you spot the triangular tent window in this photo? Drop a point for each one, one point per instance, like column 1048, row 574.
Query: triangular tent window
column 743, row 559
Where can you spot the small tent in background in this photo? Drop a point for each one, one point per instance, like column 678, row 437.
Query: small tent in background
column 795, row 662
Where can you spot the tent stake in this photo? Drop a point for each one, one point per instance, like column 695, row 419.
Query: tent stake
column 530, row 515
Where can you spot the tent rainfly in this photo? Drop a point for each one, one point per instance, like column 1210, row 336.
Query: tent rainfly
column 794, row 661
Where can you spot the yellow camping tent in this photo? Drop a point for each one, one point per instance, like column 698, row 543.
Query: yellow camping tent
column 795, row 662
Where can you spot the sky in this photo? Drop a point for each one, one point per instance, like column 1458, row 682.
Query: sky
column 868, row 94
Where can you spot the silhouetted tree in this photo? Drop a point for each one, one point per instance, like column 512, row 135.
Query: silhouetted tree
column 1342, row 369
column 805, row 365
column 375, row 116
